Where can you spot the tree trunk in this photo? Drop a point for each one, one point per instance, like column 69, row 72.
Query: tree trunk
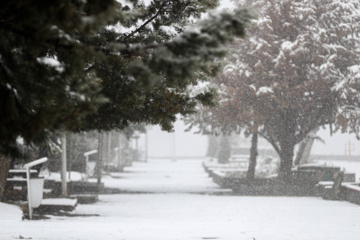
column 5, row 162
column 304, row 151
column 286, row 160
column 64, row 186
column 99, row 164
column 253, row 156
column 287, row 144
column 307, row 152
column 300, row 152
column 225, row 149
column 70, row 152
column 213, row 146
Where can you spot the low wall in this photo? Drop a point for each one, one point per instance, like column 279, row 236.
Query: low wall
column 351, row 192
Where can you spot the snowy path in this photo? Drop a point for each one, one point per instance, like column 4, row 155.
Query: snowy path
column 165, row 176
column 176, row 207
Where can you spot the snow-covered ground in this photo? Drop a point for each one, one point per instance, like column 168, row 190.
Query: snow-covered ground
column 165, row 176
column 181, row 203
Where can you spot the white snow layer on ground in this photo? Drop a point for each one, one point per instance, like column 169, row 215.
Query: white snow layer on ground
column 165, row 176
column 177, row 208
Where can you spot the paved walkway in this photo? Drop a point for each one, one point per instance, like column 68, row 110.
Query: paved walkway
column 165, row 176
column 177, row 201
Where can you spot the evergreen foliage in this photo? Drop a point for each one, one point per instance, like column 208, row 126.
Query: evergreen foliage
column 43, row 87
column 72, row 65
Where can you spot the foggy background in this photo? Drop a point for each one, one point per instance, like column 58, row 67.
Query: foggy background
column 188, row 144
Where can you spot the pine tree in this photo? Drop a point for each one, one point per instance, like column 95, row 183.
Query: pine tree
column 43, row 87
column 71, row 65
column 160, row 65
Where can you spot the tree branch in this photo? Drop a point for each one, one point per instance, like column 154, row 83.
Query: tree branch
column 89, row 68
column 10, row 76
column 271, row 141
column 148, row 21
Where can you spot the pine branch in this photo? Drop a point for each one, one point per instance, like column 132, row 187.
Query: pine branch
column 9, row 76
column 148, row 21
column 90, row 68
column 16, row 31
column 6, row 71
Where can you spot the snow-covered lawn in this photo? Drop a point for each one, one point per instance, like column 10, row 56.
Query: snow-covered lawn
column 180, row 204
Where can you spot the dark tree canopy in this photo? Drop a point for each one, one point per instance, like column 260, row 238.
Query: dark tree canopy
column 71, row 65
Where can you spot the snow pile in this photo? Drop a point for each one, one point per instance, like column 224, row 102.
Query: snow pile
column 10, row 212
